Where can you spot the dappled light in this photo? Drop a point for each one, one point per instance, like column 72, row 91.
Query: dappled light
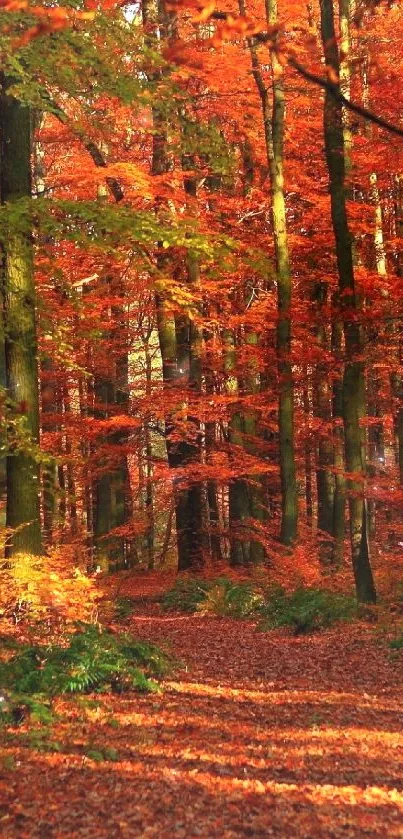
column 224, row 750
column 201, row 419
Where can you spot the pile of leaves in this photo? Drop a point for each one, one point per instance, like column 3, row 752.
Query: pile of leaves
column 303, row 610
column 90, row 660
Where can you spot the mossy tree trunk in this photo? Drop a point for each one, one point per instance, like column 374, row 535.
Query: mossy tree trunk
column 21, row 354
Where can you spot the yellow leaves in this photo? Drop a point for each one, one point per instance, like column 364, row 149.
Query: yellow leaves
column 205, row 13
column 130, row 174
column 48, row 585
column 178, row 295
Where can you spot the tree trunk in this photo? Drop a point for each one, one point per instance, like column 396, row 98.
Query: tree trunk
column 112, row 487
column 353, row 381
column 23, row 473
column 339, row 504
column 323, row 409
column 274, row 139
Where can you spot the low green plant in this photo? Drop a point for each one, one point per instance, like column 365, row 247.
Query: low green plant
column 397, row 643
column 124, row 608
column 220, row 596
column 39, row 740
column 92, row 660
column 186, row 595
column 233, row 600
column 306, row 609
column 101, row 754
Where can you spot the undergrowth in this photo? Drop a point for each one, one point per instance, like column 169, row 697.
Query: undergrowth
column 304, row 610
column 230, row 599
column 91, row 660
column 186, row 595
column 396, row 644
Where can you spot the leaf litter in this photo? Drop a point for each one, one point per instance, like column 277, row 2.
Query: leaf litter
column 255, row 734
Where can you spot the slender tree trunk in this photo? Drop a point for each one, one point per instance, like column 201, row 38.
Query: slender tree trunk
column 238, row 488
column 353, row 381
column 150, row 535
column 273, row 121
column 323, row 409
column 86, row 408
column 112, row 487
column 308, row 452
column 49, row 471
column 376, row 448
column 345, row 9
column 23, row 473
column 214, row 516
column 339, row 504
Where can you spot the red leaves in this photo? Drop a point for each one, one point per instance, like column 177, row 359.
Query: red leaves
column 51, row 19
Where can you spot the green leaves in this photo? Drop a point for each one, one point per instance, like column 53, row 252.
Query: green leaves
column 93, row 660
column 218, row 597
column 306, row 609
column 186, row 595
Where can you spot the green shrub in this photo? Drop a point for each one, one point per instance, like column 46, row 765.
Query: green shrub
column 221, row 597
column 186, row 595
column 91, row 660
column 397, row 643
column 232, row 600
column 99, row 754
column 124, row 608
column 306, row 609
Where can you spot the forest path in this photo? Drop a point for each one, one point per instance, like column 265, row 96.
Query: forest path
column 256, row 734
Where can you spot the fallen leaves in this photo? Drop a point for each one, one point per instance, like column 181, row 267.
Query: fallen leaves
column 257, row 734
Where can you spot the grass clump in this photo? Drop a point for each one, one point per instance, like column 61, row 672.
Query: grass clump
column 124, row 608
column 92, row 659
column 306, row 609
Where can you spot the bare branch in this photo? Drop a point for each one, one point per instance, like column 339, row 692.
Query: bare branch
column 335, row 91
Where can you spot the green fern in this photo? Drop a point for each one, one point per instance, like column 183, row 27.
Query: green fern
column 93, row 660
column 306, row 609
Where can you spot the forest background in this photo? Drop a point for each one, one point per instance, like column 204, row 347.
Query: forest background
column 201, row 227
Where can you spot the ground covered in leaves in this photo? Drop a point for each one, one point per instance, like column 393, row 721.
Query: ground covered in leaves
column 256, row 734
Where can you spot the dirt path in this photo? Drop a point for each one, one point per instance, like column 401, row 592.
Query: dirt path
column 256, row 735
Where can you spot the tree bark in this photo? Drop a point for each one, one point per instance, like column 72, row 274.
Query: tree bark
column 353, row 380
column 23, row 472
column 273, row 121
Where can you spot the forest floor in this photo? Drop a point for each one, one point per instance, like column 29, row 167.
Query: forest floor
column 255, row 734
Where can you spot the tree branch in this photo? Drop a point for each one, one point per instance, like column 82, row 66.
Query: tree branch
column 335, row 91
column 93, row 150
